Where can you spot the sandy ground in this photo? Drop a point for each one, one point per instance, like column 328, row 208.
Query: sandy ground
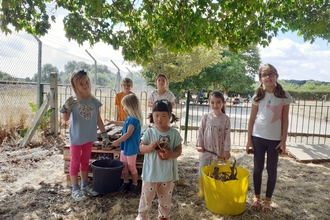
column 36, row 188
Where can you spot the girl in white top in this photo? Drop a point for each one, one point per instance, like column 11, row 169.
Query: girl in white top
column 267, row 132
column 161, row 92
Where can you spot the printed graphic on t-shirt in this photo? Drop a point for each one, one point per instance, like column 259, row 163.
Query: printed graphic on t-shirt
column 86, row 111
column 277, row 110
column 165, row 141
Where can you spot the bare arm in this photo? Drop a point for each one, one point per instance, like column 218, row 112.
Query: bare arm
column 285, row 125
column 66, row 115
column 176, row 153
column 146, row 148
column 285, row 122
column 118, row 123
column 123, row 138
column 100, row 123
column 253, row 115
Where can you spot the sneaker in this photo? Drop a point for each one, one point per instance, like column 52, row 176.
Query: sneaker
column 78, row 195
column 124, row 187
column 89, row 191
column 134, row 189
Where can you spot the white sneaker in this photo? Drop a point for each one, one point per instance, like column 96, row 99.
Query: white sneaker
column 78, row 195
column 89, row 191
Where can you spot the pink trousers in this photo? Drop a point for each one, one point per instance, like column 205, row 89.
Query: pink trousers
column 80, row 155
column 129, row 162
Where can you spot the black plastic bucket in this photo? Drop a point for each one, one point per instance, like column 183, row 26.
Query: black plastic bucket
column 107, row 175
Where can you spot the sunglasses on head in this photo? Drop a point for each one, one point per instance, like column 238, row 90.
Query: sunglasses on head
column 82, row 72
column 162, row 101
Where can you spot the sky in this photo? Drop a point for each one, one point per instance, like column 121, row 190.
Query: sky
column 293, row 58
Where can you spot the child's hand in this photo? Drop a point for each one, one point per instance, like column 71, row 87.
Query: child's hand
column 281, row 148
column 69, row 104
column 165, row 154
column 154, row 145
column 227, row 155
column 115, row 144
column 105, row 139
column 249, row 148
column 200, row 149
column 110, row 122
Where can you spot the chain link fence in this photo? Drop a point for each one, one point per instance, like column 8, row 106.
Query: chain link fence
column 25, row 58
column 20, row 62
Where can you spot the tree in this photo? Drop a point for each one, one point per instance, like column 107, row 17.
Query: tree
column 46, row 70
column 6, row 76
column 180, row 25
column 235, row 73
column 102, row 80
column 73, row 65
column 178, row 66
column 102, row 71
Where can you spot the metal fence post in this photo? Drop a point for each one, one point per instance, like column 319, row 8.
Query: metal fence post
column 40, row 94
column 95, row 65
column 53, row 83
column 187, row 118
column 117, row 85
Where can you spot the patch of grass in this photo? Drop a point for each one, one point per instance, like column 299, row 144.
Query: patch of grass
column 14, row 126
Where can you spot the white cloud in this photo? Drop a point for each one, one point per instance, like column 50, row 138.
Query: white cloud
column 300, row 61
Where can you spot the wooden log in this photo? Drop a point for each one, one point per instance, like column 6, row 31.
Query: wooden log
column 23, row 152
column 66, row 153
column 36, row 120
column 35, row 154
column 107, row 129
column 115, row 131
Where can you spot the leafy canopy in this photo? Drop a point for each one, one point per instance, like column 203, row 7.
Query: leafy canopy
column 180, row 25
column 234, row 73
column 181, row 65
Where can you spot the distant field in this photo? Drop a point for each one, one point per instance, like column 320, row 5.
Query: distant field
column 15, row 110
column 15, row 105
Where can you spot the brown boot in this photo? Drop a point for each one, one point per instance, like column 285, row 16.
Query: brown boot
column 200, row 193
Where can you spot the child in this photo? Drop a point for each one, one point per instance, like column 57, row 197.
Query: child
column 267, row 132
column 161, row 92
column 160, row 166
column 130, row 140
column 126, row 86
column 84, row 115
column 213, row 135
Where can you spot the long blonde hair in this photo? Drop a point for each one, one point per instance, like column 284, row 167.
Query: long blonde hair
column 76, row 75
column 132, row 104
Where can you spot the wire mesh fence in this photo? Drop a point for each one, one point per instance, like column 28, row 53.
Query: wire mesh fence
column 19, row 68
column 25, row 59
